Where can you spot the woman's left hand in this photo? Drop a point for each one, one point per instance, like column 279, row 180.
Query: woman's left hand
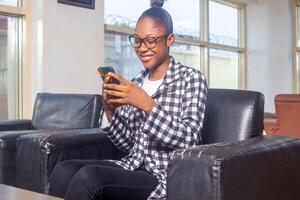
column 129, row 93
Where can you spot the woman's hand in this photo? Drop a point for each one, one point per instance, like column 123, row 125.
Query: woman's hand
column 127, row 93
column 108, row 107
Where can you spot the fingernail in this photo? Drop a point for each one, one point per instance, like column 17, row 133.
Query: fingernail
column 104, row 85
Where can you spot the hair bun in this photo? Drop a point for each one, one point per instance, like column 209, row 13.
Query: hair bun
column 157, row 3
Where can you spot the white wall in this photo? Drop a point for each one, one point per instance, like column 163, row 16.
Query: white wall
column 269, row 48
column 67, row 47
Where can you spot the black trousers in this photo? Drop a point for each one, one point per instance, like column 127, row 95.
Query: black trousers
column 98, row 179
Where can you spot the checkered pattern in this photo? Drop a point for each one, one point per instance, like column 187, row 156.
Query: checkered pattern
column 175, row 122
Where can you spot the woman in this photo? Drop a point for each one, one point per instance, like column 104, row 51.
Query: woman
column 157, row 112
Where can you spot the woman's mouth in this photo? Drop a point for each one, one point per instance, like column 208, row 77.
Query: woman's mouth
column 145, row 58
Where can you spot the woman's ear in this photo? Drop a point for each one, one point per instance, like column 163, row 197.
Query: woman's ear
column 170, row 40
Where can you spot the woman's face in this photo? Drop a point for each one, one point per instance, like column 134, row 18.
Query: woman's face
column 154, row 46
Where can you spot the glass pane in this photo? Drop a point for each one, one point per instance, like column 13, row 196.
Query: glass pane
column 298, row 26
column 223, row 24
column 9, row 67
column 223, row 69
column 188, row 55
column 120, row 54
column 185, row 25
column 120, row 13
column 9, row 2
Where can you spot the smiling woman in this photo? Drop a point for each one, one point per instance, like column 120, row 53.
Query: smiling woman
column 160, row 110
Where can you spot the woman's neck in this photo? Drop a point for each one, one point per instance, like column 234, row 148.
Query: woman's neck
column 159, row 72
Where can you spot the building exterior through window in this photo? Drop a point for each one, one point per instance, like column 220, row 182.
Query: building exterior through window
column 10, row 60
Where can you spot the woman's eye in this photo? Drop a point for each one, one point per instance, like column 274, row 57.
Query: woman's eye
column 136, row 40
column 150, row 40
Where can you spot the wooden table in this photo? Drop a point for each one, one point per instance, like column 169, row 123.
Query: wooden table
column 12, row 193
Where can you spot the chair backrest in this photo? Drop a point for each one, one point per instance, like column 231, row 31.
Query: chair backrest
column 232, row 115
column 287, row 108
column 66, row 111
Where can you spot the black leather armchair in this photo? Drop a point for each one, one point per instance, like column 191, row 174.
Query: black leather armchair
column 37, row 154
column 51, row 112
column 259, row 168
column 236, row 162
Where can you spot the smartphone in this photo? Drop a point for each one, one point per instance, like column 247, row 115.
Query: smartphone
column 104, row 70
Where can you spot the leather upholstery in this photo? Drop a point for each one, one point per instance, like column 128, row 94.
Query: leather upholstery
column 259, row 168
column 243, row 108
column 8, row 154
column 48, row 148
column 226, row 168
column 232, row 115
column 51, row 111
column 15, row 125
column 285, row 120
column 65, row 111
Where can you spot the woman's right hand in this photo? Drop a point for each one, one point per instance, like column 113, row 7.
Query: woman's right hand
column 108, row 107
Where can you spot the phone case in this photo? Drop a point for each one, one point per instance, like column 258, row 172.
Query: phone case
column 104, row 70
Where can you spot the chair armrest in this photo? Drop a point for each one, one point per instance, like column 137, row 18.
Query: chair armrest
column 95, row 140
column 14, row 125
column 271, row 123
column 38, row 154
column 259, row 168
column 8, row 155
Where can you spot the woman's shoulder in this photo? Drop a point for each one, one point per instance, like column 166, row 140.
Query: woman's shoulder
column 190, row 72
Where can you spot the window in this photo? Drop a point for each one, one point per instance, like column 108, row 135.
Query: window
column 209, row 38
column 296, row 44
column 10, row 60
column 223, row 24
column 224, row 30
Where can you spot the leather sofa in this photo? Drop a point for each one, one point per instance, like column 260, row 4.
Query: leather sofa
column 285, row 120
column 234, row 161
column 51, row 112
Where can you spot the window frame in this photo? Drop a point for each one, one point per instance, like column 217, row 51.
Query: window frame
column 203, row 41
column 23, row 11
column 295, row 47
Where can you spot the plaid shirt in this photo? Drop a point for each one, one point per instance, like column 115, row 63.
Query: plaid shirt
column 174, row 122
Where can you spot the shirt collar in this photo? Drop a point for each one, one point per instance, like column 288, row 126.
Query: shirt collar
column 171, row 75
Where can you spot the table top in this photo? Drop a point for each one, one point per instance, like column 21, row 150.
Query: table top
column 12, row 193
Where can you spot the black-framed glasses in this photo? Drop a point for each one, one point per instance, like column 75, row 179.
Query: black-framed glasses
column 150, row 42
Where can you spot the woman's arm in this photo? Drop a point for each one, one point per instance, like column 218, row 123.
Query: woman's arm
column 119, row 130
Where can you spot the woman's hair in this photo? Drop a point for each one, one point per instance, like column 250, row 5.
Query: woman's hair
column 157, row 3
column 161, row 16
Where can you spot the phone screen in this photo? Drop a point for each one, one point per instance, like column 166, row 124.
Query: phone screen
column 104, row 70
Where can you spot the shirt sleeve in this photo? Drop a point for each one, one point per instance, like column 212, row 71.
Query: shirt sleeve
column 119, row 130
column 183, row 131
